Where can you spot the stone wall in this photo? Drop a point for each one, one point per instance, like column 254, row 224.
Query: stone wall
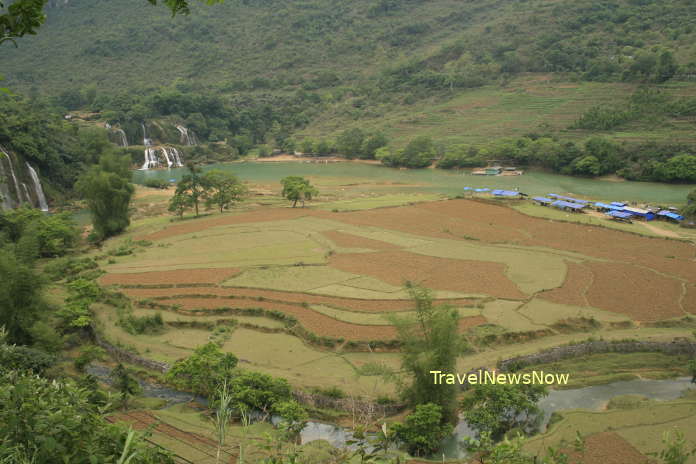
column 356, row 406
column 679, row 346
column 122, row 355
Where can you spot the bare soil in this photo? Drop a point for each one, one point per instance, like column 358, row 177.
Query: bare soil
column 397, row 267
column 639, row 293
column 608, row 448
column 572, row 292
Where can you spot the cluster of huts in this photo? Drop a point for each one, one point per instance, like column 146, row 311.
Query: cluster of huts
column 615, row 210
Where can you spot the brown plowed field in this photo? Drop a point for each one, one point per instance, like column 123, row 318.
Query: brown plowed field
column 311, row 320
column 497, row 223
column 457, row 275
column 638, row 293
column 436, row 220
column 345, row 240
column 608, row 448
column 572, row 292
column 689, row 302
column 352, row 304
column 142, row 420
column 182, row 276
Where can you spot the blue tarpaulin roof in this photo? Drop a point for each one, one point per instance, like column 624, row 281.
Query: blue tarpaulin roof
column 482, row 190
column 468, row 188
column 617, row 203
column 505, row 193
column 542, row 200
column 561, row 197
column 619, row 214
column 671, row 214
column 566, row 204
column 604, row 205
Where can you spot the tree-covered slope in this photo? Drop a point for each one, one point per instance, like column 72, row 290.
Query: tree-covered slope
column 404, row 45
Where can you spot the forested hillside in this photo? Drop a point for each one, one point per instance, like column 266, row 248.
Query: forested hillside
column 391, row 45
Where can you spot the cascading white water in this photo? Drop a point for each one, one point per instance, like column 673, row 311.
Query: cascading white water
column 27, row 197
column 37, row 188
column 151, row 160
column 166, row 156
column 14, row 177
column 123, row 140
column 4, row 189
column 174, row 156
column 188, row 137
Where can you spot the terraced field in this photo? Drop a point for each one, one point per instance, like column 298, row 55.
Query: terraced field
column 332, row 280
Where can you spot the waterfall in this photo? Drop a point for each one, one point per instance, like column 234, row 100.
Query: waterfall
column 188, row 137
column 173, row 153
column 151, row 160
column 27, row 197
column 37, row 188
column 14, row 177
column 123, row 140
column 4, row 190
column 147, row 142
column 166, row 156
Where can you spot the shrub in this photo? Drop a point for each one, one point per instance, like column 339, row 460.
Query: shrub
column 157, row 184
column 422, row 432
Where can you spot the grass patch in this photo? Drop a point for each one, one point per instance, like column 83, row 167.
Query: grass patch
column 609, row 367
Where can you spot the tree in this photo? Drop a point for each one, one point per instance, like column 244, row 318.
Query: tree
column 350, row 143
column 429, row 342
column 88, row 354
column 204, row 372
column 423, row 430
column 47, row 421
column 294, row 417
column 224, row 189
column 371, row 144
column 690, row 209
column 108, row 192
column 296, row 189
column 125, row 383
column 191, row 186
column 257, row 391
column 21, row 301
column 587, row 166
column 498, row 408
column 179, row 203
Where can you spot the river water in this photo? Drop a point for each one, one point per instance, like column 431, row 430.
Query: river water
column 593, row 398
column 442, row 181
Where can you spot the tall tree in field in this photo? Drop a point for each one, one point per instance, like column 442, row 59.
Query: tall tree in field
column 224, row 189
column 429, row 342
column 297, row 188
column 108, row 192
column 125, row 383
column 192, row 186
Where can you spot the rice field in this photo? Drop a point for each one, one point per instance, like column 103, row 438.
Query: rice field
column 316, row 287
